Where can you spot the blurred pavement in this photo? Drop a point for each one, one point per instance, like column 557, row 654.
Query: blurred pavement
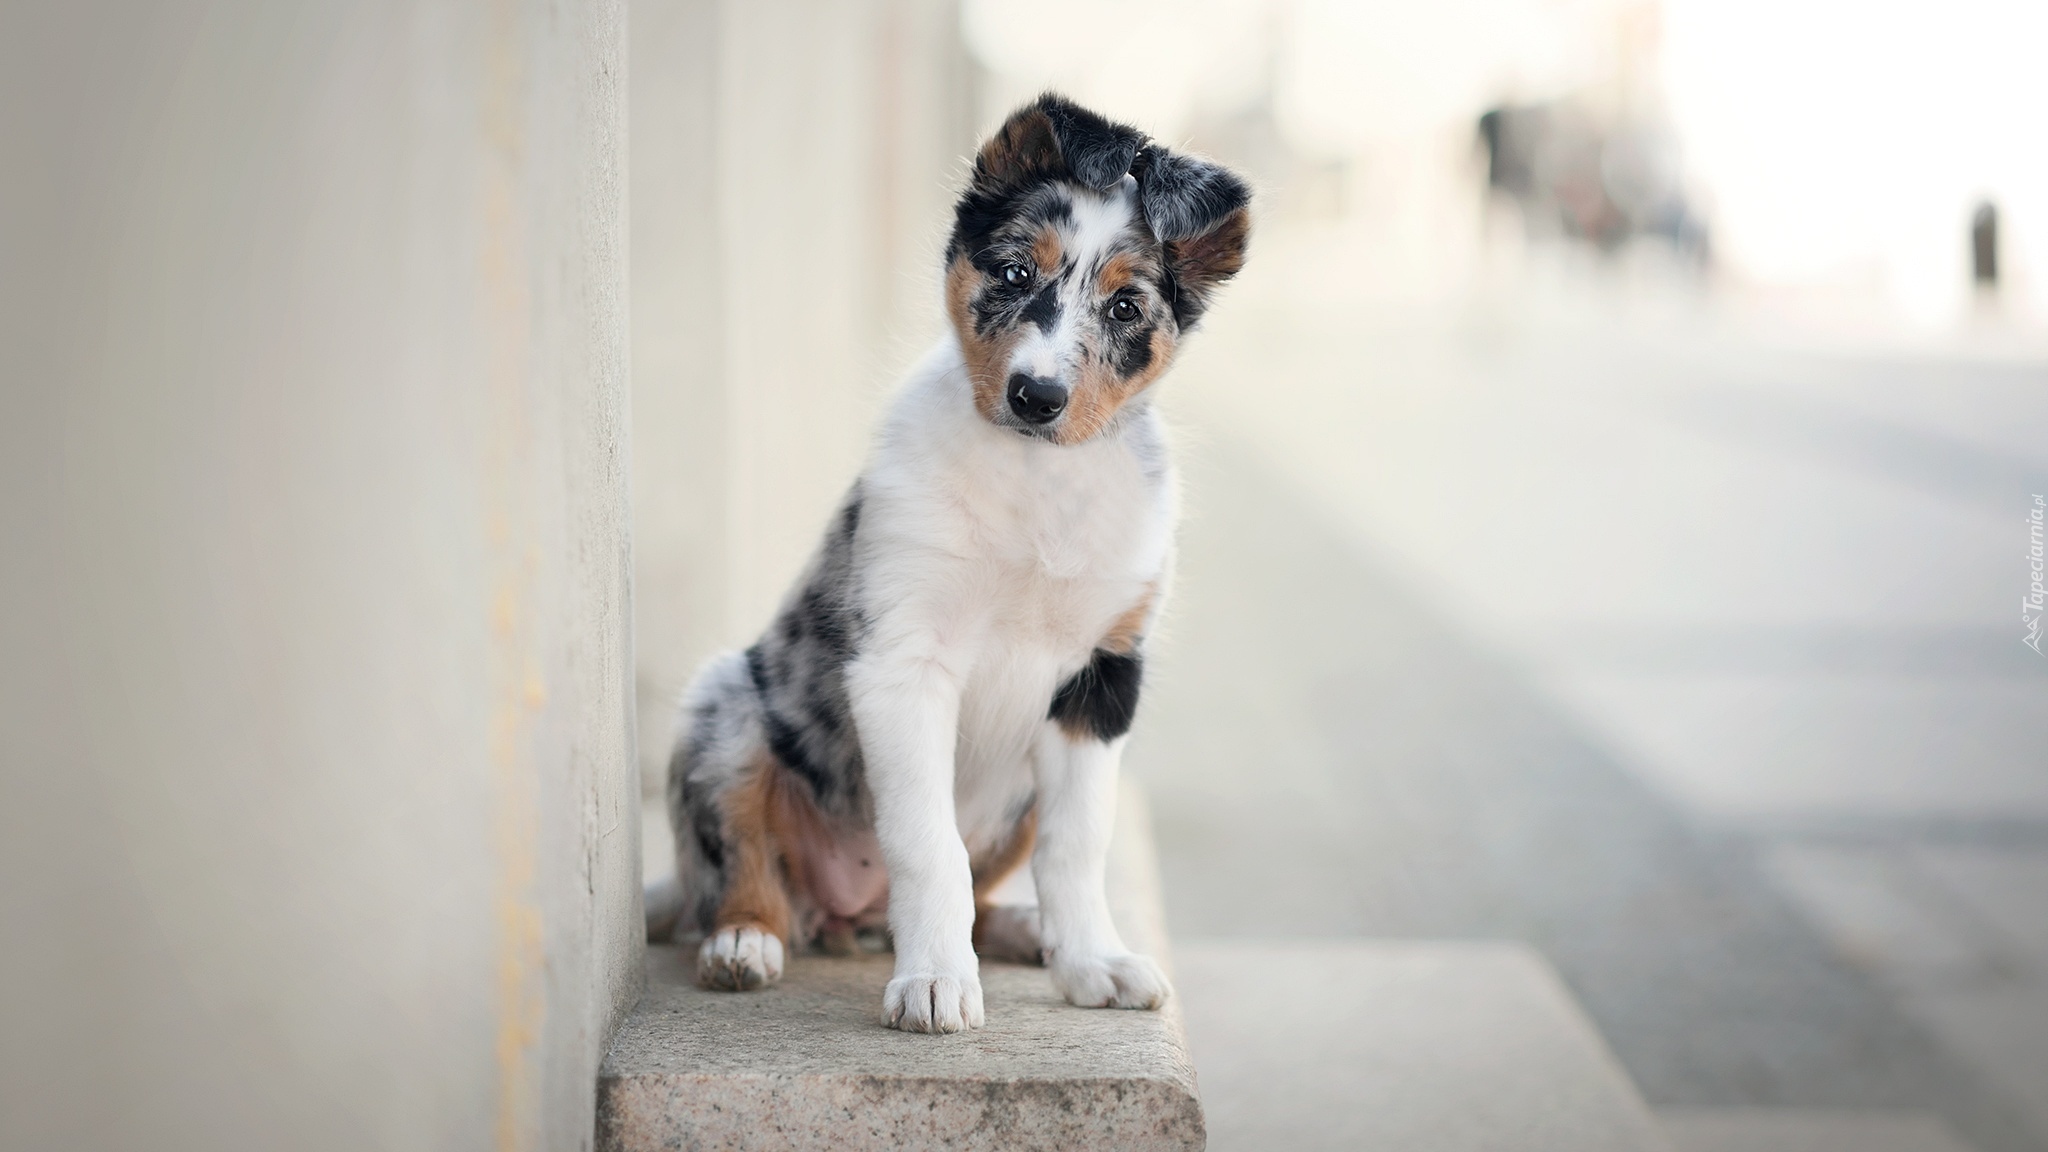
column 1581, row 616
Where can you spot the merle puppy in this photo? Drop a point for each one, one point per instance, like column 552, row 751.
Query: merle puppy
column 945, row 693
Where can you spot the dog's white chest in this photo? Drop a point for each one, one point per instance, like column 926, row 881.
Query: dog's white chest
column 1069, row 540
column 1009, row 560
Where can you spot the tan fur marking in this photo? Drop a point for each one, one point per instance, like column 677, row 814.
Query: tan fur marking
column 1100, row 391
column 797, row 824
column 1117, row 271
column 1004, row 859
column 1124, row 634
column 1045, row 249
column 985, row 358
column 754, row 892
column 1023, row 146
column 962, row 279
column 1216, row 255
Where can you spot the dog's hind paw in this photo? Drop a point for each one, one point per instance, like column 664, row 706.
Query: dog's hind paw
column 738, row 958
column 1114, row 980
column 1008, row 932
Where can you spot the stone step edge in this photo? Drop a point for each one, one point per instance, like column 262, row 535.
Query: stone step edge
column 1147, row 1101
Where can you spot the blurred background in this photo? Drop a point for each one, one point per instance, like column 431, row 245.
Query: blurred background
column 1612, row 511
column 1607, row 487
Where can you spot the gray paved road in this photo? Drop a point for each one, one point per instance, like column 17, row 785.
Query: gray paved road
column 1691, row 662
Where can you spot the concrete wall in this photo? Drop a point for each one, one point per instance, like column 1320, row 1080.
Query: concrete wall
column 794, row 164
column 318, row 827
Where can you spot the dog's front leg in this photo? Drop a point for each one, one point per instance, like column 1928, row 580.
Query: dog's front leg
column 907, row 711
column 1090, row 965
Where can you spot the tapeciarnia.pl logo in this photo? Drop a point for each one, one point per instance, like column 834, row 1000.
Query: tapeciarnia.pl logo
column 2030, row 607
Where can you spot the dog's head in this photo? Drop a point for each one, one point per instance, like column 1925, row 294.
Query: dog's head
column 1081, row 251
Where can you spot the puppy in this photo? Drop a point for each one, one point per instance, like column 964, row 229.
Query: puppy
column 944, row 695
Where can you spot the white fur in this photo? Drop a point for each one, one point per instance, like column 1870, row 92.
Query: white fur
column 991, row 565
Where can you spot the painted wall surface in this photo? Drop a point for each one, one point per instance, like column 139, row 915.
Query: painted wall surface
column 794, row 167
column 318, row 822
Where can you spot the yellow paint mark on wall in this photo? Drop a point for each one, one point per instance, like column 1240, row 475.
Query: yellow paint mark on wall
column 517, row 689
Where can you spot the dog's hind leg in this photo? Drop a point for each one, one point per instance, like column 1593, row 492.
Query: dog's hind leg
column 1006, row 931
column 720, row 802
column 744, row 948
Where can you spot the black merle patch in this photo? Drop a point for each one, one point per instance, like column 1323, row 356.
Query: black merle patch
column 1098, row 151
column 1101, row 699
column 1185, row 196
column 991, row 220
column 1044, row 309
column 996, row 310
column 798, row 670
column 1054, row 209
column 1131, row 350
column 787, row 691
column 706, row 824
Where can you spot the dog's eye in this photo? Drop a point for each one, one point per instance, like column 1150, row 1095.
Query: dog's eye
column 1015, row 275
column 1124, row 310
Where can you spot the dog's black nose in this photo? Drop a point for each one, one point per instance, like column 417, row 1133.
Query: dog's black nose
column 1035, row 399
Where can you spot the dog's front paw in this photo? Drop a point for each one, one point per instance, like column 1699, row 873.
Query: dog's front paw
column 739, row 958
column 933, row 1003
column 1112, row 980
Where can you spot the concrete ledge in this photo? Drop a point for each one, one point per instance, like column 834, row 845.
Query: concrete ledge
column 808, row 1064
column 1446, row 1046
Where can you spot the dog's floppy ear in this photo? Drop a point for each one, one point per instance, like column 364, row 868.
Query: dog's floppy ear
column 1184, row 196
column 1055, row 137
column 1099, row 152
column 1023, row 149
column 1201, row 211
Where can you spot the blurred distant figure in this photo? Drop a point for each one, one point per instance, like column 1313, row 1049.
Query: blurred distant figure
column 1984, row 247
column 1509, row 136
column 1571, row 176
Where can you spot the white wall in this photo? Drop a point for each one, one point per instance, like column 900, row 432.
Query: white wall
column 318, row 827
column 794, row 165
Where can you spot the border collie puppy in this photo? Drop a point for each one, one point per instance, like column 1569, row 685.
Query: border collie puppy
column 944, row 694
